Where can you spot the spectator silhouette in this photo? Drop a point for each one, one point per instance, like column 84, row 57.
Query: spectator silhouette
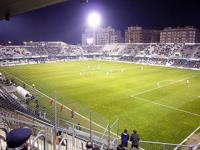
column 135, row 139
column 17, row 138
column 125, row 138
column 89, row 145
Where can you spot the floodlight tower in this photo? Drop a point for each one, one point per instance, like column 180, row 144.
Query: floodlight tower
column 94, row 20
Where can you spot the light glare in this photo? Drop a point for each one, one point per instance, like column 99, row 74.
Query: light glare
column 94, row 19
column 90, row 41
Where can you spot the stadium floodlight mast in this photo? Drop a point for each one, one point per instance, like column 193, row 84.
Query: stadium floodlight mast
column 94, row 20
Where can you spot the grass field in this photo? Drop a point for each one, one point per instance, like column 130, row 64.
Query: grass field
column 153, row 100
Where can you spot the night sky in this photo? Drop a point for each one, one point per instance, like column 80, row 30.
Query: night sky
column 66, row 21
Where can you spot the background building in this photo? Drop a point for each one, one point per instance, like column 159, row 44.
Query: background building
column 140, row 35
column 102, row 36
column 180, row 35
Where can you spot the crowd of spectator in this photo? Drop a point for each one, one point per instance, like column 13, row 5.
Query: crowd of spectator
column 187, row 63
column 145, row 49
column 185, row 55
column 13, row 51
column 154, row 50
column 90, row 49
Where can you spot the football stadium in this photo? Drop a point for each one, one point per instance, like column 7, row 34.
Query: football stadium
column 157, row 97
column 56, row 95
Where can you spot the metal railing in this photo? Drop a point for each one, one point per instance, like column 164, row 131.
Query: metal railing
column 70, row 134
column 62, row 142
column 3, row 138
column 149, row 145
column 36, row 140
column 42, row 135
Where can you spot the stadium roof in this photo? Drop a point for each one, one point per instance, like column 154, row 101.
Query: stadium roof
column 9, row 8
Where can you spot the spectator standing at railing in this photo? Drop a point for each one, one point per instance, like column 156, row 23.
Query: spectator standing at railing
column 125, row 138
column 78, row 127
column 135, row 139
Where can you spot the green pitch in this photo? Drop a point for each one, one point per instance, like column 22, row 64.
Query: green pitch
column 156, row 101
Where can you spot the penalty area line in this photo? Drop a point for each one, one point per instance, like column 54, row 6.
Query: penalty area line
column 169, row 107
column 159, row 82
column 152, row 89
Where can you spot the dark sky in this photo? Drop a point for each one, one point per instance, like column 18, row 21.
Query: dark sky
column 66, row 21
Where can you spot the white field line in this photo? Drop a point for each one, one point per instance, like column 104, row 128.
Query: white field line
column 58, row 102
column 169, row 107
column 65, row 106
column 152, row 89
column 164, row 81
column 131, row 96
column 177, row 109
column 187, row 138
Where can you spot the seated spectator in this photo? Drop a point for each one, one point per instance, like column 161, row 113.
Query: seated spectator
column 89, row 145
column 17, row 138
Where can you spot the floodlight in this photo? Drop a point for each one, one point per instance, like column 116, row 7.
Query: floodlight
column 89, row 40
column 94, row 19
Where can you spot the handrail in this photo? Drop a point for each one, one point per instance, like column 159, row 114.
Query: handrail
column 101, row 138
column 36, row 138
column 94, row 131
column 170, row 144
column 40, row 121
column 21, row 121
column 163, row 143
column 196, row 147
column 4, row 130
column 63, row 139
column 187, row 138
column 41, row 131
column 151, row 142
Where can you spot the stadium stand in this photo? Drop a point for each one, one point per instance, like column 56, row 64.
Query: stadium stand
column 170, row 54
column 181, row 55
column 91, row 49
column 145, row 49
column 13, row 51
